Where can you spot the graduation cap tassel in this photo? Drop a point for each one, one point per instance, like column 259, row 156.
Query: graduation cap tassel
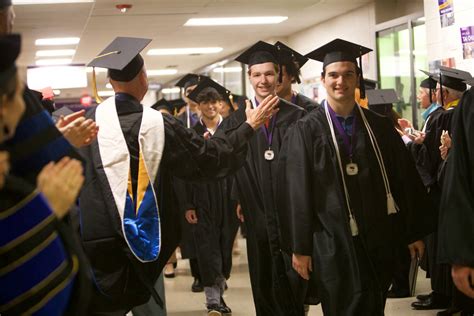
column 361, row 80
column 441, row 89
column 280, row 73
column 391, row 205
column 97, row 97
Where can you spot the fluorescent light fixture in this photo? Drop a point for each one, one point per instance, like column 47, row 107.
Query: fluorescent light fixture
column 171, row 90
column 97, row 70
column 161, row 72
column 106, row 93
column 57, row 92
column 57, row 77
column 108, row 86
column 253, row 20
column 50, row 62
column 55, row 53
column 228, row 69
column 184, row 51
column 57, row 41
column 25, row 2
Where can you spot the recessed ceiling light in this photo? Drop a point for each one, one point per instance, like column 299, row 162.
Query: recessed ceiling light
column 227, row 69
column 106, row 93
column 236, row 21
column 183, row 51
column 171, row 90
column 108, row 86
column 50, row 62
column 161, row 72
column 24, row 2
column 55, row 53
column 57, row 92
column 57, row 41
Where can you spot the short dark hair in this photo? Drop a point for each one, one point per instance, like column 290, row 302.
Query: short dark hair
column 292, row 70
column 208, row 95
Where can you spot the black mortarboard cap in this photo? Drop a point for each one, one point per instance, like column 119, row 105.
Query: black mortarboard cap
column 338, row 50
column 163, row 104
column 259, row 53
column 209, row 83
column 10, row 47
column 341, row 50
column 189, row 80
column 122, row 58
column 5, row 3
column 428, row 83
column 177, row 105
column 470, row 82
column 381, row 100
column 287, row 54
column 291, row 59
column 452, row 78
column 370, row 84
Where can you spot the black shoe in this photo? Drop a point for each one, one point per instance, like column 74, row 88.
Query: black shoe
column 449, row 312
column 424, row 297
column 214, row 310
column 197, row 286
column 395, row 294
column 433, row 302
column 224, row 308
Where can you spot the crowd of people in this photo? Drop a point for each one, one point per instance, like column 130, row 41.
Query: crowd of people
column 339, row 201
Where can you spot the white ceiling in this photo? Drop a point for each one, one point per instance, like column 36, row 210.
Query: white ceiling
column 98, row 23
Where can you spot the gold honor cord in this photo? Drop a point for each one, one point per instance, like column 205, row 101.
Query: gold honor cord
column 97, row 97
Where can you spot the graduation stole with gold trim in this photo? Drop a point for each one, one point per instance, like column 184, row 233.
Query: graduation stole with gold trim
column 140, row 219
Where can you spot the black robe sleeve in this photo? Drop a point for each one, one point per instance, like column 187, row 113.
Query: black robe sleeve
column 456, row 220
column 191, row 157
column 294, row 187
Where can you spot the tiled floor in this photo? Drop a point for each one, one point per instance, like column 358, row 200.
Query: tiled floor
column 181, row 301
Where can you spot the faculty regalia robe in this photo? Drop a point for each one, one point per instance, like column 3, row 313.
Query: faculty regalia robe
column 430, row 157
column 43, row 270
column 255, row 185
column 123, row 277
column 456, row 218
column 217, row 225
column 352, row 274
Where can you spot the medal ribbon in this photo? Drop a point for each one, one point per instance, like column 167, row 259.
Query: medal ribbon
column 348, row 144
column 268, row 133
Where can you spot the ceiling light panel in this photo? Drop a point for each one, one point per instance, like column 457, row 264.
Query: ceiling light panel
column 28, row 2
column 235, row 21
column 57, row 41
column 55, row 53
column 50, row 62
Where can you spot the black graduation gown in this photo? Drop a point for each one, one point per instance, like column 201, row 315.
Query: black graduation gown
column 351, row 273
column 305, row 102
column 456, row 220
column 123, row 281
column 217, row 225
column 440, row 274
column 255, row 183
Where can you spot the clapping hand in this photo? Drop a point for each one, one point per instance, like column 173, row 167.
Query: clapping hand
column 78, row 130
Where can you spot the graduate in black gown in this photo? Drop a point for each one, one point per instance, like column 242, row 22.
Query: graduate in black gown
column 127, row 225
column 450, row 87
column 291, row 63
column 455, row 242
column 189, row 118
column 212, row 212
column 343, row 179
column 255, row 185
